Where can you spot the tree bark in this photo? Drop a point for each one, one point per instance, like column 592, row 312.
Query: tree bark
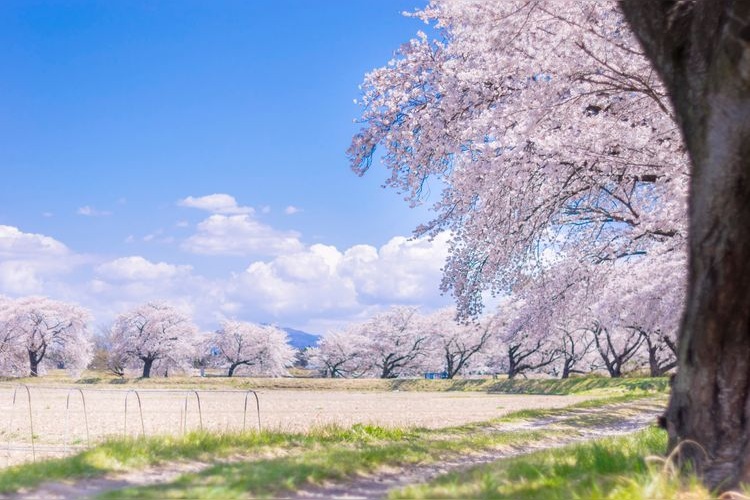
column 657, row 367
column 33, row 364
column 147, row 364
column 232, row 368
column 701, row 48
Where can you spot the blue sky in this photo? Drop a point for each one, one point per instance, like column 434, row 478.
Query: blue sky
column 113, row 113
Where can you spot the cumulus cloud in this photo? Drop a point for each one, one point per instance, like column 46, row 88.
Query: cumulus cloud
column 324, row 280
column 14, row 243
column 291, row 210
column 89, row 211
column 301, row 283
column 402, row 270
column 240, row 235
column 315, row 287
column 217, row 203
column 28, row 259
column 138, row 268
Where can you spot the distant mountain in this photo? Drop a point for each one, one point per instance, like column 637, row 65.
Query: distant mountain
column 300, row 339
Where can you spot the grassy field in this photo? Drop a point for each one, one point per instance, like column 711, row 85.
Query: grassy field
column 274, row 461
column 578, row 385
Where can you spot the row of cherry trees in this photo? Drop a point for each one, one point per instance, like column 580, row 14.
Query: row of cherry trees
column 37, row 333
column 550, row 330
column 560, row 324
column 157, row 338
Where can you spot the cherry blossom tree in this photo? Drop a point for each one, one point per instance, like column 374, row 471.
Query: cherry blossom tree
column 574, row 347
column 153, row 335
column 44, row 332
column 656, row 307
column 558, row 297
column 661, row 349
column 259, row 349
column 341, row 353
column 396, row 342
column 525, row 344
column 545, row 125
column 204, row 354
column 104, row 357
column 455, row 343
column 12, row 362
column 616, row 346
column 633, row 317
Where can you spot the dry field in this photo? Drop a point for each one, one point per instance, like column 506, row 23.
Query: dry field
column 60, row 424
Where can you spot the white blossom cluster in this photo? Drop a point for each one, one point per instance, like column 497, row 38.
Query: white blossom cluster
column 550, row 136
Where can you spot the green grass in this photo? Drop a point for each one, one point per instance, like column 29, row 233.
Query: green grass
column 135, row 453
column 337, row 461
column 327, row 452
column 363, row 445
column 580, row 385
column 611, row 468
column 577, row 385
column 268, row 478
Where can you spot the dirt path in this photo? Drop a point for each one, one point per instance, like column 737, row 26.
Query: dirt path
column 610, row 420
column 378, row 485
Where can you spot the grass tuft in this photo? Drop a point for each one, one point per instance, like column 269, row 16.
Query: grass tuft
column 610, row 468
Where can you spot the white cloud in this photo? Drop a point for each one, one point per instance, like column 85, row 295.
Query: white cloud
column 402, row 270
column 27, row 260
column 89, row 211
column 138, row 268
column 14, row 243
column 158, row 237
column 217, row 203
column 302, row 283
column 321, row 280
column 315, row 288
column 240, row 235
column 291, row 210
column 265, row 209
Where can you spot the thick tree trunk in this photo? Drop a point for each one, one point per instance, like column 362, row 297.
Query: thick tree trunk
column 33, row 364
column 449, row 365
column 702, row 50
column 232, row 368
column 658, row 367
column 567, row 366
column 512, row 364
column 147, row 364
